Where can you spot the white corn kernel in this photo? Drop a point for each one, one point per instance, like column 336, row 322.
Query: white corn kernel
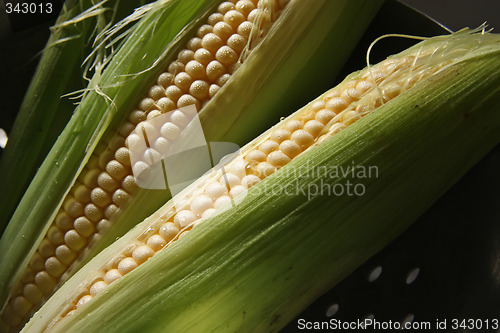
column 180, row 119
column 203, row 56
column 21, row 306
column 229, row 179
column 244, row 7
column 186, row 100
column 165, row 79
column 156, row 242
column 110, row 211
column 244, row 29
column 236, row 190
column 280, row 135
column 99, row 197
column 37, row 262
column 225, row 7
column 314, row 127
column 234, row 18
column 237, row 42
column 265, row 169
column 183, row 80
column 194, row 44
column 74, row 240
column 127, row 265
column 223, row 30
column 73, row 207
column 336, row 104
column 97, row 287
column 317, row 105
column 92, row 212
column 278, row 158
column 106, row 182
column 256, row 156
column 120, row 197
column 55, row 235
column 32, row 293
column 211, row 42
column 112, row 275
column 46, row 248
column 216, row 190
column 249, row 181
column 82, row 193
column 64, row 221
column 142, row 253
column 184, row 218
column 324, row 116
column 82, row 301
column 200, row 204
column 84, row 227
column 208, row 213
column 116, row 170
column 45, row 282
column 55, row 267
column 214, row 18
column 199, row 89
column 268, row 146
column 65, row 254
column 173, row 93
column 103, row 226
column 168, row 231
column 214, row 70
column 222, row 202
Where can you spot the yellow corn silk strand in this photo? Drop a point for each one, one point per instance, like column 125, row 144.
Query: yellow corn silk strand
column 107, row 182
column 222, row 188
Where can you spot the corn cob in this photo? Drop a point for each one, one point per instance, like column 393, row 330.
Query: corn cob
column 221, row 198
column 105, row 184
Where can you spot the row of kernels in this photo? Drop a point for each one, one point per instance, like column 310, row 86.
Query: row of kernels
column 139, row 254
column 64, row 239
column 296, row 136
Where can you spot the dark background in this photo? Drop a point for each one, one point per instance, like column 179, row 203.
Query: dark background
column 457, row 14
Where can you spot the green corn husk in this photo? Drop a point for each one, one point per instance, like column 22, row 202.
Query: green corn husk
column 257, row 265
column 295, row 52
column 44, row 113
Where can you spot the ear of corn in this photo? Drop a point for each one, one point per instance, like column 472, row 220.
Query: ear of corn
column 43, row 111
column 422, row 118
column 292, row 49
column 294, row 52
